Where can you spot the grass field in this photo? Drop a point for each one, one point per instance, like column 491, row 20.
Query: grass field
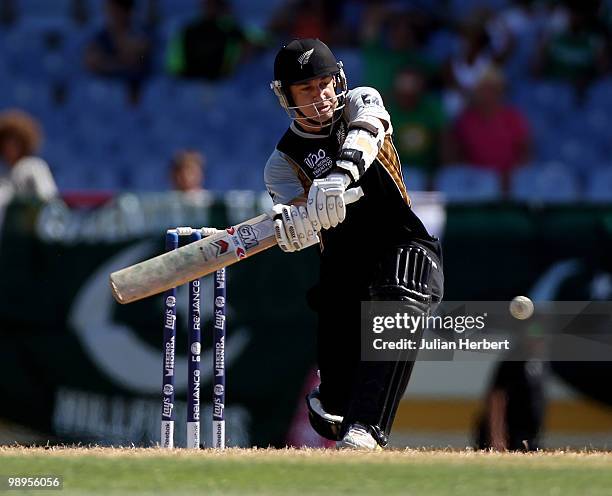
column 316, row 472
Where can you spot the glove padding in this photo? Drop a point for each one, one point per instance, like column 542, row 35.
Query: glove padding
column 325, row 204
column 293, row 230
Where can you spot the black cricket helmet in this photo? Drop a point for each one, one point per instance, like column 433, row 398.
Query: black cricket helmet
column 303, row 60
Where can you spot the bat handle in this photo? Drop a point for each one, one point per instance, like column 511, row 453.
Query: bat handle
column 209, row 231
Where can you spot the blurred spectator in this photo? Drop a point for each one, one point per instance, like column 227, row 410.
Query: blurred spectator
column 578, row 53
column 22, row 173
column 187, row 171
column 308, row 19
column 528, row 17
column 419, row 121
column 523, row 24
column 8, row 12
column 490, row 133
column 476, row 52
column 79, row 12
column 121, row 49
column 392, row 39
column 212, row 46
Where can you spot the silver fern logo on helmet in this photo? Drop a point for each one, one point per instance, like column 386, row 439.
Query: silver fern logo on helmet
column 305, row 57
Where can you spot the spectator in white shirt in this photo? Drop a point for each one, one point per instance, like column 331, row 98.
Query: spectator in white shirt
column 22, row 173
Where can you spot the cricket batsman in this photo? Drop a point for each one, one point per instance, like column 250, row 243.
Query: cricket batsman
column 374, row 249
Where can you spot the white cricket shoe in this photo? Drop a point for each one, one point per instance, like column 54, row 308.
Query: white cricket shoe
column 358, row 438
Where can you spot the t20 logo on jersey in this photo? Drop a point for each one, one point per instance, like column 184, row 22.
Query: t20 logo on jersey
column 318, row 162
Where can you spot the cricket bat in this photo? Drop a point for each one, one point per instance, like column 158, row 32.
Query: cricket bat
column 199, row 258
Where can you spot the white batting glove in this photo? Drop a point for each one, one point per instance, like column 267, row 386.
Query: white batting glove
column 293, row 230
column 325, row 204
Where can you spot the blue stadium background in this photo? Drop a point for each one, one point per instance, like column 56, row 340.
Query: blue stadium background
column 96, row 141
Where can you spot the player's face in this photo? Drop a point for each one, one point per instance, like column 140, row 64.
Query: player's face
column 11, row 150
column 316, row 98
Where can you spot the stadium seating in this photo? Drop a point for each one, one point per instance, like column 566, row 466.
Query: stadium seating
column 551, row 98
column 415, row 179
column 441, row 45
column 467, row 183
column 600, row 94
column 353, row 66
column 168, row 9
column 552, row 182
column 40, row 49
column 599, row 185
column 255, row 14
column 41, row 61
column 31, row 96
column 44, row 9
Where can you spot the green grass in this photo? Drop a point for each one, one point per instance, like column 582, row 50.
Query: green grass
column 316, row 472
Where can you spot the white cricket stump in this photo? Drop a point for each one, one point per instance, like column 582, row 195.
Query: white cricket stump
column 218, row 434
column 193, row 435
column 167, row 434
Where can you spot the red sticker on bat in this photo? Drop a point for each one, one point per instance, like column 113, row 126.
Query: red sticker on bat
column 222, row 246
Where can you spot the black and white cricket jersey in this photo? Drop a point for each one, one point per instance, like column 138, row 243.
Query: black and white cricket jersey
column 380, row 219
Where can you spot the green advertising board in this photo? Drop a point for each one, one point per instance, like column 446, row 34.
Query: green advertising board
column 77, row 367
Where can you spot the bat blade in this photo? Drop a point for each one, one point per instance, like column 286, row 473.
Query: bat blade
column 199, row 258
column 193, row 260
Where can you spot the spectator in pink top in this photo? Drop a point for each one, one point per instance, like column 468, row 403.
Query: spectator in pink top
column 489, row 133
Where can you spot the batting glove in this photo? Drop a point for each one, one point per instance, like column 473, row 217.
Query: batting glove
column 292, row 228
column 326, row 207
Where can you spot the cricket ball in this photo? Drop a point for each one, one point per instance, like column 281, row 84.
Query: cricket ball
column 521, row 307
